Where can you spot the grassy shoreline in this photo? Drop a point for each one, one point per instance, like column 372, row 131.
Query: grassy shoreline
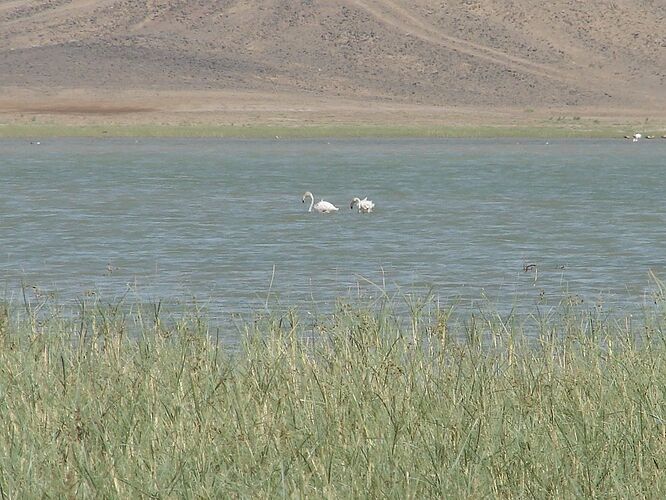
column 356, row 403
column 263, row 131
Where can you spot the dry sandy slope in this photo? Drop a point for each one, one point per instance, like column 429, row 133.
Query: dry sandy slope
column 286, row 61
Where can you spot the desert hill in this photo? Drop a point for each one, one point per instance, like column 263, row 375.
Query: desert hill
column 131, row 56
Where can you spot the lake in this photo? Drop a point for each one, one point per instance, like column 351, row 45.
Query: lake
column 221, row 222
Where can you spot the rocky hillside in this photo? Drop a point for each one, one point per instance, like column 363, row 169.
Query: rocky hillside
column 487, row 53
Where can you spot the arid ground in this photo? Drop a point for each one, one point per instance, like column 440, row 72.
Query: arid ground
column 293, row 63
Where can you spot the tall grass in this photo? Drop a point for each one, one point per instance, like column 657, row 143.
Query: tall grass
column 356, row 403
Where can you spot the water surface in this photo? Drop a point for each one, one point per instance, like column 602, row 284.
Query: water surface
column 221, row 221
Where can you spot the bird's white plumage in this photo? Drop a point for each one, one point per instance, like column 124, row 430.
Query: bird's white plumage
column 364, row 205
column 323, row 207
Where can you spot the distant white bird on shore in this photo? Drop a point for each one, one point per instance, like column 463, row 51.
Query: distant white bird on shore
column 323, row 207
column 364, row 205
column 636, row 137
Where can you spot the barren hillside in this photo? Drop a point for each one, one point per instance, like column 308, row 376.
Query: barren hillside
column 485, row 54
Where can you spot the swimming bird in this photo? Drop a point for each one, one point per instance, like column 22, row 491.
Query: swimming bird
column 323, row 207
column 364, row 205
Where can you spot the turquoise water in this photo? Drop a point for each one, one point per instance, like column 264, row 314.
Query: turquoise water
column 221, row 221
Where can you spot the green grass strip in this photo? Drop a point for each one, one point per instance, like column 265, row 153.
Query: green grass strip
column 545, row 131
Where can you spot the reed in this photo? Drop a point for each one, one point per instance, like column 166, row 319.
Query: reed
column 125, row 401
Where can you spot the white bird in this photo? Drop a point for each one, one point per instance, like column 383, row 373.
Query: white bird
column 637, row 137
column 323, row 207
column 364, row 205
